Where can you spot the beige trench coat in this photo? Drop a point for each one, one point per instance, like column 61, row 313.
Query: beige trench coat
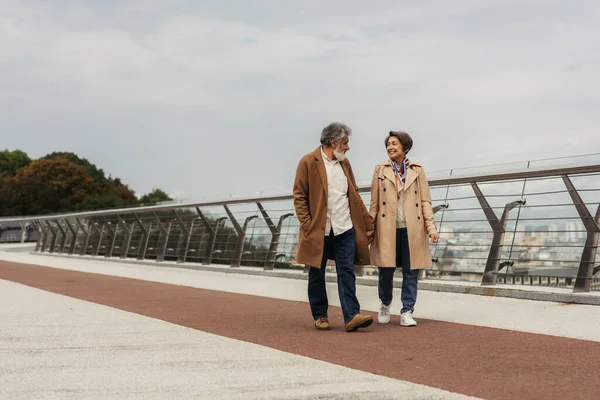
column 417, row 209
column 310, row 202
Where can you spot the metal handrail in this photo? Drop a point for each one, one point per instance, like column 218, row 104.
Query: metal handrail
column 525, row 173
column 92, row 232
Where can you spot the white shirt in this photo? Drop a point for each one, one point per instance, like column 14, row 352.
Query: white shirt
column 338, row 208
column 400, row 217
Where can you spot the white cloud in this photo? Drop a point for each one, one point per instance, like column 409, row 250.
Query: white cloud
column 158, row 95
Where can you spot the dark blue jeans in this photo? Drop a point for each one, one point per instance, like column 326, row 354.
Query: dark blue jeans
column 342, row 249
column 410, row 278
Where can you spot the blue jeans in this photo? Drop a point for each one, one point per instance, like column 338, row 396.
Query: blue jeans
column 410, row 278
column 342, row 249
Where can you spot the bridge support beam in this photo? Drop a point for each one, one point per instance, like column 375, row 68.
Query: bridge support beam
column 53, row 238
column 127, row 239
column 112, row 237
column 143, row 244
column 25, row 228
column 63, row 237
column 163, row 240
column 100, row 233
column 212, row 236
column 592, row 226
column 492, row 265
column 74, row 233
column 86, row 237
column 41, row 235
column 276, row 234
column 241, row 232
column 48, row 235
column 185, row 235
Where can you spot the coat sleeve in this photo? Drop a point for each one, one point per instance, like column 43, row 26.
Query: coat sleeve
column 368, row 224
column 426, row 204
column 301, row 195
column 374, row 206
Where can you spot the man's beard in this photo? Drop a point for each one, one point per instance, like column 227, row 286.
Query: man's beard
column 339, row 155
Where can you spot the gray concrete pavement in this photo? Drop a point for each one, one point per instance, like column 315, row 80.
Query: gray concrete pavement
column 53, row 346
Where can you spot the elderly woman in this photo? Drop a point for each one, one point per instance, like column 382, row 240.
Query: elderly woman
column 403, row 217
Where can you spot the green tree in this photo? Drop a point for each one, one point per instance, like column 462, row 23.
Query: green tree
column 12, row 161
column 113, row 194
column 114, row 187
column 155, row 196
column 96, row 173
column 45, row 187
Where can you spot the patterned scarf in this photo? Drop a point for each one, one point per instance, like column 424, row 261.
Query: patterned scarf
column 400, row 174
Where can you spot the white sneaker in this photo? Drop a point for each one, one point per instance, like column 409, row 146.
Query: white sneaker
column 384, row 314
column 406, row 319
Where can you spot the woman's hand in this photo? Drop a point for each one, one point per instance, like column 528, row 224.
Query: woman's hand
column 435, row 237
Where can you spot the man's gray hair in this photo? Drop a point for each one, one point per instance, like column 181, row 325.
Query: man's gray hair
column 334, row 131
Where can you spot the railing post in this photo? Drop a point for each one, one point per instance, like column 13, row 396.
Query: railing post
column 54, row 237
column 183, row 243
column 41, row 235
column 241, row 232
column 143, row 246
column 499, row 229
column 63, row 238
column 588, row 256
column 127, row 239
column 100, row 232
column 86, row 237
column 44, row 225
column 25, row 228
column 74, row 233
column 112, row 237
column 212, row 233
column 163, row 239
column 275, row 235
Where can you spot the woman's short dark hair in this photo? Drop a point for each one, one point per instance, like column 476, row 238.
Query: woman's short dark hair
column 404, row 139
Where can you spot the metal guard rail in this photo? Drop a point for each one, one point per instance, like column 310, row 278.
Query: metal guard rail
column 586, row 269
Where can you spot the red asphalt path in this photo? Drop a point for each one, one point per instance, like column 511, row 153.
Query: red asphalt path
column 477, row 361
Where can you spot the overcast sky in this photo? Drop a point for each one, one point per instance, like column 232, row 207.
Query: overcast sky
column 208, row 97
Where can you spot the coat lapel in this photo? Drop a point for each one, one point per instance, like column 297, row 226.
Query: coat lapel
column 411, row 176
column 345, row 169
column 387, row 172
column 321, row 170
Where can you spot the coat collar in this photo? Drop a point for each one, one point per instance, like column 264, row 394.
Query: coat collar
column 411, row 176
column 320, row 164
column 388, row 172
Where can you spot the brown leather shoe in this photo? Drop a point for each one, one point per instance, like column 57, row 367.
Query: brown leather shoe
column 359, row 321
column 322, row 324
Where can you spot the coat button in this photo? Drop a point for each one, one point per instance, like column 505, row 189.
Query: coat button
column 384, row 203
column 419, row 217
column 384, row 189
column 382, row 215
column 415, row 192
column 417, row 204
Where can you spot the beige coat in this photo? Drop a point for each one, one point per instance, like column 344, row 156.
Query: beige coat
column 417, row 209
column 310, row 202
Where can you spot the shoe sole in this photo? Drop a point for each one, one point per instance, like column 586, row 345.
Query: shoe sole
column 323, row 329
column 363, row 324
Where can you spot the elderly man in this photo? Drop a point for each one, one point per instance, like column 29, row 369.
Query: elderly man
column 334, row 224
